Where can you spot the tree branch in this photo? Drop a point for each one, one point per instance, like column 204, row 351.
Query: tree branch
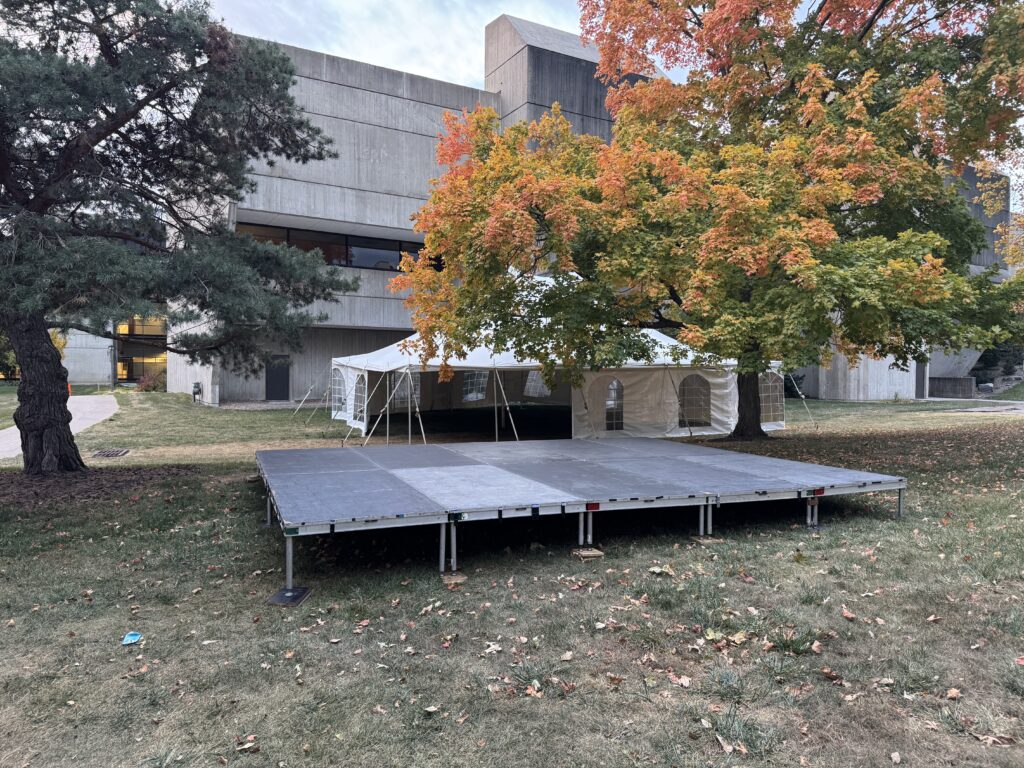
column 105, row 334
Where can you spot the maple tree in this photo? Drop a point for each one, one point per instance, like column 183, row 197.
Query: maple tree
column 789, row 198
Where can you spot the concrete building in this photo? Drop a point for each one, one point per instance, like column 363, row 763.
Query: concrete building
column 357, row 208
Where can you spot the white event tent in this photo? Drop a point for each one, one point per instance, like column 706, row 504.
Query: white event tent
column 669, row 396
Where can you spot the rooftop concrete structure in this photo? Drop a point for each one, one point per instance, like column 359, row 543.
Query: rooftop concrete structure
column 385, row 124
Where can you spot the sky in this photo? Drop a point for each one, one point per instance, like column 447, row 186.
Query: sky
column 443, row 39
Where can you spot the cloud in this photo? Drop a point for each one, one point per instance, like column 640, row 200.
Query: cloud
column 443, row 39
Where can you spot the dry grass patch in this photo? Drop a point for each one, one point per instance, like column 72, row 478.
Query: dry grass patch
column 769, row 645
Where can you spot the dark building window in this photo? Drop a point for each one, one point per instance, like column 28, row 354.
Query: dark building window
column 338, row 250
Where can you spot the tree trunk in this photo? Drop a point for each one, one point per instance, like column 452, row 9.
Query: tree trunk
column 42, row 415
column 748, row 421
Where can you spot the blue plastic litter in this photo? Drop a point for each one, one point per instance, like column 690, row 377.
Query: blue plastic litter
column 131, row 638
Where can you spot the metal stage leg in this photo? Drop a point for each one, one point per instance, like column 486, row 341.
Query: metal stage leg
column 288, row 557
column 291, row 595
column 582, row 528
column 709, row 519
column 899, row 504
column 700, row 518
column 455, row 561
column 269, row 510
column 444, row 536
column 808, row 505
column 812, row 513
column 815, row 513
column 590, row 529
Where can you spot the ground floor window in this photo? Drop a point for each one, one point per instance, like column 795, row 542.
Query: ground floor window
column 535, row 386
column 408, row 383
column 359, row 398
column 613, row 406
column 773, row 402
column 694, row 401
column 474, row 386
column 338, row 392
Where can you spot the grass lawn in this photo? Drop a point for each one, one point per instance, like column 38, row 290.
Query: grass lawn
column 766, row 645
column 1016, row 392
column 8, row 402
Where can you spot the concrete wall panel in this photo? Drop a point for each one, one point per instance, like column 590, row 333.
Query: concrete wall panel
column 88, row 359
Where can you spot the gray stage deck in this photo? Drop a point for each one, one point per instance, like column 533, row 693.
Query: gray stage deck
column 317, row 491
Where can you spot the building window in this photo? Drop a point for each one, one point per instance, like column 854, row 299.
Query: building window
column 136, row 367
column 613, row 406
column 694, row 401
column 359, row 399
column 401, row 389
column 474, row 386
column 338, row 250
column 773, row 403
column 143, row 326
column 535, row 386
column 338, row 392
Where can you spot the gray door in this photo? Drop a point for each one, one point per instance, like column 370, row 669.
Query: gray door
column 278, row 373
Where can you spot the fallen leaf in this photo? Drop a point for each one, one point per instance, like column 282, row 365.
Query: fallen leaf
column 816, row 647
column 934, row 619
column 726, row 746
column 567, row 656
column 895, row 757
column 848, row 614
column 953, row 694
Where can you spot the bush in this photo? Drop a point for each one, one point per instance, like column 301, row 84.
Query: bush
column 153, row 382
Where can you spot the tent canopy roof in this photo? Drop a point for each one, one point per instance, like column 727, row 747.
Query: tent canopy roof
column 668, row 352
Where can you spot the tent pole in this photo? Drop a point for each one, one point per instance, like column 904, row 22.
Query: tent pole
column 323, row 401
column 419, row 418
column 379, row 415
column 387, row 422
column 494, row 388
column 408, row 407
column 508, row 410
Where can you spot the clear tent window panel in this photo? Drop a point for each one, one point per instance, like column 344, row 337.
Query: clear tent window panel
column 613, row 406
column 359, row 398
column 407, row 383
column 474, row 386
column 338, row 391
column 773, row 402
column 535, row 386
column 694, row 401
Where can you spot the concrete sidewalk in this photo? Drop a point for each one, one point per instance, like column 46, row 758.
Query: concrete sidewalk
column 86, row 410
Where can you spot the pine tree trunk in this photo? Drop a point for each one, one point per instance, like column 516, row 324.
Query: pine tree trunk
column 748, row 422
column 42, row 415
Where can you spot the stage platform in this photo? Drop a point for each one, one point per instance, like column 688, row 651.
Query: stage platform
column 334, row 490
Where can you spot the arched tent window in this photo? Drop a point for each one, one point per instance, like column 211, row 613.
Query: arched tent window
column 613, row 406
column 694, row 401
column 401, row 398
column 359, row 398
column 535, row 386
column 474, row 386
column 773, row 403
column 338, row 392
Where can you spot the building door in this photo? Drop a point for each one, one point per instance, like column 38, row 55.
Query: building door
column 278, row 374
column 921, row 381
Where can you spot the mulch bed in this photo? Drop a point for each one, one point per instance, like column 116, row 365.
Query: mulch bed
column 20, row 491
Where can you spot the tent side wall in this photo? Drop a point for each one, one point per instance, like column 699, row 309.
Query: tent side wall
column 651, row 403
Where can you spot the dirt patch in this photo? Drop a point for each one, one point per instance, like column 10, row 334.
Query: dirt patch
column 19, row 491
